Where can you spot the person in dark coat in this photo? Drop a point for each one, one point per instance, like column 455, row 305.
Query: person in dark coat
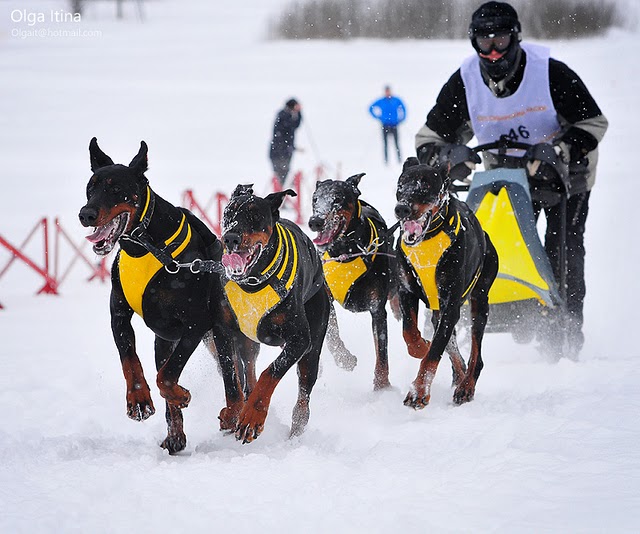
column 282, row 142
column 513, row 89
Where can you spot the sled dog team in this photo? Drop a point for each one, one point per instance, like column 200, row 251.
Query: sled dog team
column 265, row 281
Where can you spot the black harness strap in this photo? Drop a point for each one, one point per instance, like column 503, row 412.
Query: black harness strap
column 140, row 236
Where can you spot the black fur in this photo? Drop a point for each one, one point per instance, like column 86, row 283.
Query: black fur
column 259, row 255
column 179, row 308
column 346, row 227
column 426, row 211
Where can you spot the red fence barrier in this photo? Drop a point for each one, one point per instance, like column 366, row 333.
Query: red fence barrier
column 50, row 283
column 99, row 270
column 55, row 256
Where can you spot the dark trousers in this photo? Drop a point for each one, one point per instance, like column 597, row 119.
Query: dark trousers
column 393, row 132
column 577, row 211
column 281, row 168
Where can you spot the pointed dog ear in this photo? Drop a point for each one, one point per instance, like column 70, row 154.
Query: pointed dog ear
column 139, row 164
column 98, row 157
column 410, row 162
column 353, row 182
column 275, row 200
column 241, row 190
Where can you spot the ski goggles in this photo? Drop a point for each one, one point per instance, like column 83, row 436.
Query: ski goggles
column 496, row 41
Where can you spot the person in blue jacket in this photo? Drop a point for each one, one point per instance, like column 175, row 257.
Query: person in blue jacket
column 390, row 111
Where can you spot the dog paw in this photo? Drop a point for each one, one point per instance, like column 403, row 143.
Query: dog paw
column 300, row 418
column 380, row 383
column 464, row 392
column 174, row 394
column 139, row 404
column 175, row 443
column 250, row 424
column 140, row 411
column 416, row 401
column 345, row 360
column 229, row 417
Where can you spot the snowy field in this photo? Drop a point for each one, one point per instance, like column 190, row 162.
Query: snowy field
column 545, row 446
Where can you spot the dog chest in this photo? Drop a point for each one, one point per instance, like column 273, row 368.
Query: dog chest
column 424, row 258
column 136, row 272
column 341, row 276
column 250, row 305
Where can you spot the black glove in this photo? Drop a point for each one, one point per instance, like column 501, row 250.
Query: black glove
column 426, row 153
column 546, row 163
column 459, row 159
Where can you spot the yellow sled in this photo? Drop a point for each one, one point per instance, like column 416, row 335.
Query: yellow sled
column 525, row 291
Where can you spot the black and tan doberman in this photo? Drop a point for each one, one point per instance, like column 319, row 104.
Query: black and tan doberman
column 158, row 275
column 277, row 291
column 357, row 261
column 444, row 258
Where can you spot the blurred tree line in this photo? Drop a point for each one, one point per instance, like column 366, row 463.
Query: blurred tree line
column 438, row 19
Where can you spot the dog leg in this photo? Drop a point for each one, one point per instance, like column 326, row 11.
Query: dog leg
column 169, row 371
column 479, row 315
column 307, row 376
column 416, row 345
column 379, row 327
column 254, row 412
column 249, row 354
column 176, row 439
column 458, row 365
column 226, row 350
column 420, row 393
column 318, row 310
column 139, row 403
column 342, row 356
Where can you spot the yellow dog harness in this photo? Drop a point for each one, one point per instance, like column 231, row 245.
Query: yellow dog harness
column 251, row 306
column 137, row 272
column 424, row 257
column 341, row 276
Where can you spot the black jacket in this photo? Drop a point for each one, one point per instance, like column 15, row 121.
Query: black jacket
column 282, row 143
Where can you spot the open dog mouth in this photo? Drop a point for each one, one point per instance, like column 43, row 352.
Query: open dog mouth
column 105, row 237
column 238, row 264
column 413, row 231
column 330, row 230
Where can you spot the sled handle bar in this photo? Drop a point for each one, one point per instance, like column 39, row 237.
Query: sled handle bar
column 502, row 145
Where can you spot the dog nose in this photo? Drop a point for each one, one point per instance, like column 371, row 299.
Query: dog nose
column 316, row 224
column 232, row 240
column 402, row 211
column 88, row 216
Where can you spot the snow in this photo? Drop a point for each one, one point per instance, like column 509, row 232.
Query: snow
column 544, row 447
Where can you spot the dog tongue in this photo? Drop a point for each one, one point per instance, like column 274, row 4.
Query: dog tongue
column 233, row 262
column 323, row 237
column 100, row 234
column 412, row 227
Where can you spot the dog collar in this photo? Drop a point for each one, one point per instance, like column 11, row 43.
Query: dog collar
column 145, row 216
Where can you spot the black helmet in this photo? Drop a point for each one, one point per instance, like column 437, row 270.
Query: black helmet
column 496, row 18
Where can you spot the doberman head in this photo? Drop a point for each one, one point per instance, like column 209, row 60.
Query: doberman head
column 248, row 229
column 421, row 195
column 335, row 205
column 115, row 196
